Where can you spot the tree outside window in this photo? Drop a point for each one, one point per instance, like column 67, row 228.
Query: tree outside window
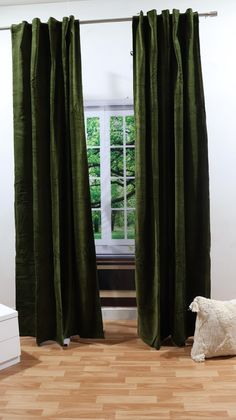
column 111, row 160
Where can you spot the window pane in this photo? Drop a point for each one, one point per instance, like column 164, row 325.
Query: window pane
column 94, row 162
column 93, row 131
column 130, row 224
column 117, row 193
column 95, row 193
column 116, row 131
column 96, row 217
column 117, row 162
column 129, row 129
column 117, row 224
column 130, row 162
column 130, row 193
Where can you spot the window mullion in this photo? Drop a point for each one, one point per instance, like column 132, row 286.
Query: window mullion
column 105, row 179
column 125, row 195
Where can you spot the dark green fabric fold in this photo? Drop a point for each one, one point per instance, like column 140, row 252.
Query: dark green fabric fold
column 172, row 181
column 56, row 280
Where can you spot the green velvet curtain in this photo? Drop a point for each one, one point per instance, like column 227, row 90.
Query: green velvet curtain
column 172, row 181
column 56, row 282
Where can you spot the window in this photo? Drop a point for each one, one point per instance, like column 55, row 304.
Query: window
column 111, row 158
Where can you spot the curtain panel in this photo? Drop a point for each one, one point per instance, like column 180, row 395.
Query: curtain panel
column 56, row 281
column 172, row 181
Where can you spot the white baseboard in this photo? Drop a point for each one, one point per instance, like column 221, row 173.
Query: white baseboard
column 119, row 313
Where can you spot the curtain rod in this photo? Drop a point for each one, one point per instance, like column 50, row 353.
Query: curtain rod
column 89, row 22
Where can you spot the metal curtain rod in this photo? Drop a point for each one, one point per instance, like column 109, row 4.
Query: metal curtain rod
column 89, row 22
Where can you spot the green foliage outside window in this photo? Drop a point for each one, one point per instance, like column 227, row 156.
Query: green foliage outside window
column 129, row 130
column 93, row 131
column 94, row 161
column 95, row 193
column 116, row 131
column 96, row 217
column 130, row 193
column 117, row 193
column 117, row 162
column 130, row 224
column 130, row 162
column 117, row 224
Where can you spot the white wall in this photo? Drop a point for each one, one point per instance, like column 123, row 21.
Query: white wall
column 107, row 74
column 7, row 240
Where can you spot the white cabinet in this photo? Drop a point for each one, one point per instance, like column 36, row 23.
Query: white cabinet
column 9, row 337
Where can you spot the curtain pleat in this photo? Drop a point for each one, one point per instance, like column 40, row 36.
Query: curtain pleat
column 172, row 181
column 56, row 280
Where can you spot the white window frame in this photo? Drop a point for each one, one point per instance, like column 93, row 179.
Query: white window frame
column 104, row 110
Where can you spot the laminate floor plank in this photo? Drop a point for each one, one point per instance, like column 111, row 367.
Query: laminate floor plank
column 118, row 378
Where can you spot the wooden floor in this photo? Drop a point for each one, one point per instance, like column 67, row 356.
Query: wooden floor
column 118, row 378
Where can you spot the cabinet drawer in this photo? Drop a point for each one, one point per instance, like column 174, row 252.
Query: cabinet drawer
column 9, row 349
column 8, row 329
